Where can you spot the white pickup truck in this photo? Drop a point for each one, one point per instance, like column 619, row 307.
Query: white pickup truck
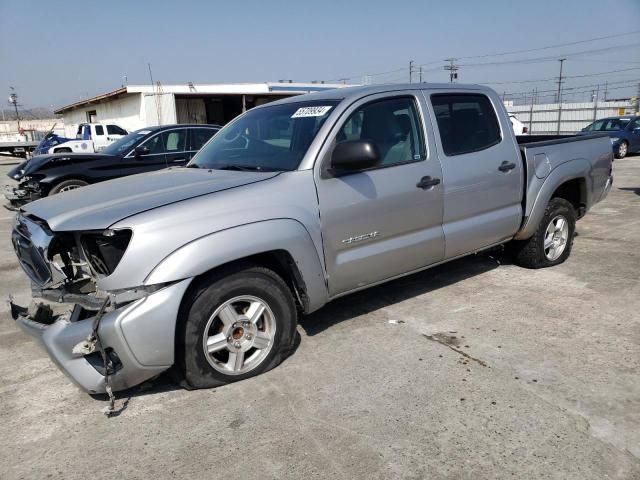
column 90, row 137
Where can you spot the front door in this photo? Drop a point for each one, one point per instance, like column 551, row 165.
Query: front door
column 385, row 221
column 153, row 159
column 482, row 170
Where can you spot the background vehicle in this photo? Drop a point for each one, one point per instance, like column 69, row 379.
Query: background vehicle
column 91, row 137
column 518, row 126
column 291, row 205
column 141, row 151
column 624, row 133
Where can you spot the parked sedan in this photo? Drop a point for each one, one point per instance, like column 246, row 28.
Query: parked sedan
column 142, row 151
column 624, row 133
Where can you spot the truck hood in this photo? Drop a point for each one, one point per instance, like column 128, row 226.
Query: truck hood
column 100, row 205
column 39, row 161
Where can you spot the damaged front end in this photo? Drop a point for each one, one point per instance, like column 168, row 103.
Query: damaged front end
column 27, row 191
column 95, row 343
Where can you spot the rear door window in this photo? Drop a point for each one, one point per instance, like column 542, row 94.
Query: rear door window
column 200, row 136
column 174, row 140
column 466, row 122
column 99, row 130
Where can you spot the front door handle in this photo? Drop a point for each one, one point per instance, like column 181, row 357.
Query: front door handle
column 427, row 182
column 506, row 166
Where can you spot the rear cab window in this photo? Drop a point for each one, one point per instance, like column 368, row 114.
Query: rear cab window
column 467, row 122
column 99, row 130
column 115, row 130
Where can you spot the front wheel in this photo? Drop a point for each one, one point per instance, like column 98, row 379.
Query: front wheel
column 622, row 150
column 67, row 185
column 239, row 323
column 551, row 243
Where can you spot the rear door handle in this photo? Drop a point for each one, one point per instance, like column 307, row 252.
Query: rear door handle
column 427, row 182
column 506, row 166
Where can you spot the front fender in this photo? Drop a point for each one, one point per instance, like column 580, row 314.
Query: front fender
column 216, row 249
column 578, row 168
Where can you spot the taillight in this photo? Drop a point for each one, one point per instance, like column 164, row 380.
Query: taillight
column 525, row 130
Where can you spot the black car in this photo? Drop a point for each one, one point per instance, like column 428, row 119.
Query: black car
column 142, row 151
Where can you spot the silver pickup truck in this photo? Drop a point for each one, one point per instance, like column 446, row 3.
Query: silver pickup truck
column 204, row 269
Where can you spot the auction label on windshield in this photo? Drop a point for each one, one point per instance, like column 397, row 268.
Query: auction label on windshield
column 311, row 112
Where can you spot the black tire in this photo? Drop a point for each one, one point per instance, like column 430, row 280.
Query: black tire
column 62, row 150
column 67, row 185
column 622, row 152
column 192, row 368
column 530, row 253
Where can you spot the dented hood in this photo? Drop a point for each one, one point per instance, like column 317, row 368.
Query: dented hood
column 98, row 206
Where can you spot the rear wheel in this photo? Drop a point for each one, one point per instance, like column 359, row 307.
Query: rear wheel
column 551, row 243
column 622, row 150
column 67, row 185
column 239, row 323
column 62, row 150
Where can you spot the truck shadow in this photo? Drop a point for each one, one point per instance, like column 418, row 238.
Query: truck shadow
column 634, row 190
column 346, row 308
column 396, row 291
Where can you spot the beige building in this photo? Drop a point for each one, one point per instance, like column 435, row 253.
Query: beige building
column 137, row 106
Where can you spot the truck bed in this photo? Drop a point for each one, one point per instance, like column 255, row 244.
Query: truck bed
column 544, row 154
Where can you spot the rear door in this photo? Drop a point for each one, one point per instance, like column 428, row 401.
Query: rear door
column 175, row 146
column 481, row 169
column 198, row 137
column 379, row 223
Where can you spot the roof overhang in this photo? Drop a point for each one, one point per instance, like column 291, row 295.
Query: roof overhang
column 267, row 88
column 120, row 92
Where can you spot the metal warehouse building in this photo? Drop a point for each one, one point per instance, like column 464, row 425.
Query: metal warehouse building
column 137, row 106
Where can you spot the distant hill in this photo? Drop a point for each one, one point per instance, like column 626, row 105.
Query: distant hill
column 27, row 113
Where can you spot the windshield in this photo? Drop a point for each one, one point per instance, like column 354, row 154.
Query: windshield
column 266, row 139
column 124, row 144
column 608, row 125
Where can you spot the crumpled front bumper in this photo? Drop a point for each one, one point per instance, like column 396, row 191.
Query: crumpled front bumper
column 139, row 338
column 18, row 196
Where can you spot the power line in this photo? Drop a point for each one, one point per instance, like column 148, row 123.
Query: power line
column 512, row 52
column 566, row 76
column 549, row 58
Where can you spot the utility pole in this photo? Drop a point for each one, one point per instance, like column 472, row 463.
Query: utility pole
column 155, row 97
column 638, row 100
column 452, row 68
column 561, row 60
column 420, row 73
column 410, row 70
column 606, row 91
column 13, row 100
column 595, row 103
column 533, row 99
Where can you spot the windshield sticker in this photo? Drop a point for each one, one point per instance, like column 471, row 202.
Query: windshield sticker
column 311, row 112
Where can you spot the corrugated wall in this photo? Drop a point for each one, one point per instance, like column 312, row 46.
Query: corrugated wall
column 574, row 116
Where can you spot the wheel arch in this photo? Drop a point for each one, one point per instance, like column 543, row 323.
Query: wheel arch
column 282, row 245
column 572, row 181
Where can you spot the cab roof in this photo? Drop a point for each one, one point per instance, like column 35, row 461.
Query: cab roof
column 353, row 93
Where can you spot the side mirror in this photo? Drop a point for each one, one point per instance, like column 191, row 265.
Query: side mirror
column 353, row 156
column 141, row 151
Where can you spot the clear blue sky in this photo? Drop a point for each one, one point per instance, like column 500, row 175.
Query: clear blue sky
column 57, row 52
